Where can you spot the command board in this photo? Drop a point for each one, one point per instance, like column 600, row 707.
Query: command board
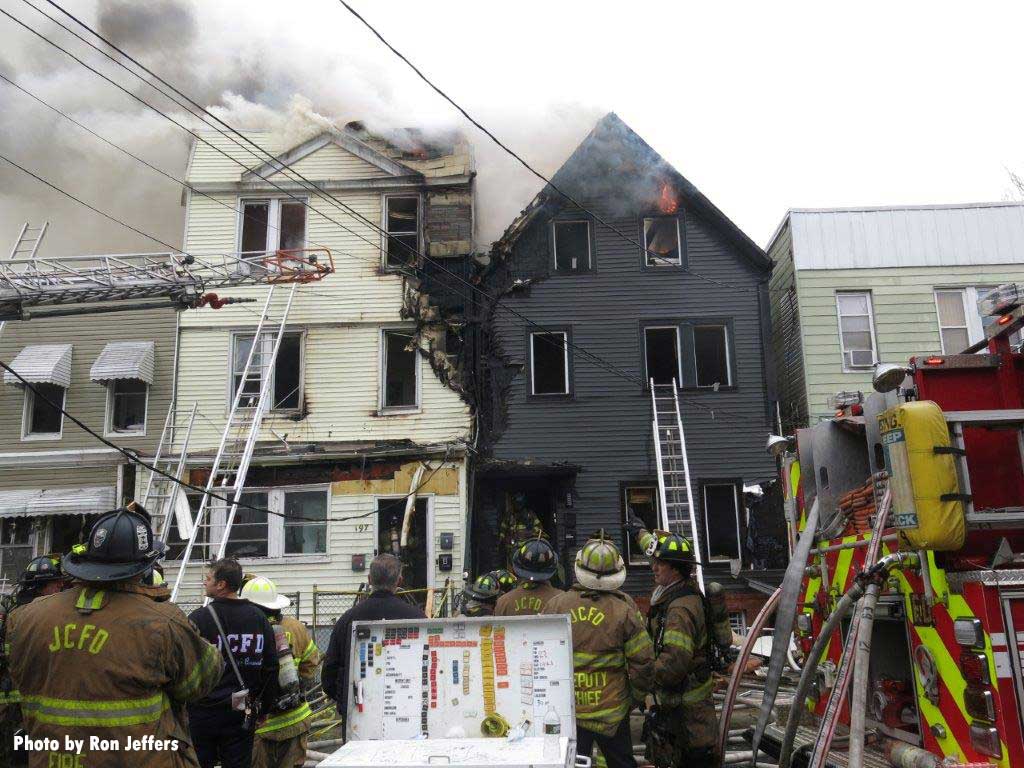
column 455, row 678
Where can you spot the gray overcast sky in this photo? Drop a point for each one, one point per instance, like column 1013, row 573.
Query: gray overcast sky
column 764, row 106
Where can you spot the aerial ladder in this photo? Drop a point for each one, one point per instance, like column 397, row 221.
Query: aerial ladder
column 34, row 287
column 675, row 491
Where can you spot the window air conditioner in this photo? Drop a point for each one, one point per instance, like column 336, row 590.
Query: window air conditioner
column 859, row 358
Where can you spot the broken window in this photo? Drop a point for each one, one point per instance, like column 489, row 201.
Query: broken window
column 41, row 418
column 401, row 371
column 402, row 222
column 303, row 533
column 286, row 378
column 250, row 530
column 639, row 501
column 663, row 242
column 270, row 225
column 661, row 354
column 68, row 530
column 127, row 406
column 549, row 363
column 572, row 245
column 722, row 521
column 711, row 355
column 17, row 545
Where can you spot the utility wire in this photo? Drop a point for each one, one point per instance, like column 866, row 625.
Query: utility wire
column 600, row 362
column 134, row 459
column 524, row 163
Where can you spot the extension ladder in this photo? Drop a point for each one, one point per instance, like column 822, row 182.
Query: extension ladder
column 251, row 401
column 164, row 498
column 27, row 244
column 675, row 490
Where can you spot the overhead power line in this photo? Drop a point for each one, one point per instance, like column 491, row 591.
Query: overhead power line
column 519, row 158
column 280, row 166
column 134, row 459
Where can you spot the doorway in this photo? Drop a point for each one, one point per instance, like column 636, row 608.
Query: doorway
column 415, row 562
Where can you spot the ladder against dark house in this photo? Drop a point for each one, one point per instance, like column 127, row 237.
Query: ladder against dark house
column 675, row 491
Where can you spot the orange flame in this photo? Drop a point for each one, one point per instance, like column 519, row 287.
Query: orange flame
column 667, row 203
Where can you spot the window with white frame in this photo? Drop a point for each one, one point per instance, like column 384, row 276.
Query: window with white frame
column 722, row 521
column 17, row 546
column 268, row 225
column 738, row 622
column 285, row 378
column 42, row 417
column 402, row 224
column 571, row 245
column 296, row 525
column 549, row 363
column 400, row 371
column 127, row 400
column 856, row 329
column 711, row 355
column 663, row 242
column 961, row 324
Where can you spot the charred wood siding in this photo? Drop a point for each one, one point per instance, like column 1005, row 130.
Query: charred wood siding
column 605, row 425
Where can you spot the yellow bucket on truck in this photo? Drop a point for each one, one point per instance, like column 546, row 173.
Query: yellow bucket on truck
column 925, row 503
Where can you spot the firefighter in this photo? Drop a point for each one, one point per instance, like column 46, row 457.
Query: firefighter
column 682, row 728
column 281, row 739
column 105, row 659
column 480, row 596
column 612, row 652
column 42, row 576
column 535, row 563
column 506, row 581
column 518, row 524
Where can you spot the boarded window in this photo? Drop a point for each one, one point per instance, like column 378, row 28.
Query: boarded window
column 401, row 370
column 711, row 355
column 128, row 405
column 42, row 418
column 639, row 501
column 855, row 329
column 303, row 534
column 572, row 245
column 402, row 220
column 661, row 350
column 549, row 364
column 722, row 522
column 286, row 378
column 293, row 226
column 662, row 241
column 255, row 217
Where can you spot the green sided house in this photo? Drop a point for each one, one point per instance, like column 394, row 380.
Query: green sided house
column 854, row 286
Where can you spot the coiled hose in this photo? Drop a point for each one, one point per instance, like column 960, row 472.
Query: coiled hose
column 843, row 607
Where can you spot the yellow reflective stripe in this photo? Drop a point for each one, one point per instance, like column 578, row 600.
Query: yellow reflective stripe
column 210, row 662
column 677, row 639
column 598, row 660
column 640, row 641
column 93, row 603
column 12, row 697
column 108, row 714
column 699, row 693
column 310, row 650
column 610, row 715
column 286, row 719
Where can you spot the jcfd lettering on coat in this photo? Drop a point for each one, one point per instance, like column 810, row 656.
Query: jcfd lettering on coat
column 71, row 637
column 588, row 614
column 244, row 643
column 589, row 687
column 528, row 603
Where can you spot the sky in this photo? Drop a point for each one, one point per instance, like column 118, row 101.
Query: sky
column 764, row 106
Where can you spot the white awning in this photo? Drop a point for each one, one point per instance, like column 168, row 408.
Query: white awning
column 124, row 360
column 42, row 364
column 37, row 502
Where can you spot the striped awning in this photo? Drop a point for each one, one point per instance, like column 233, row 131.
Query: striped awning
column 124, row 360
column 42, row 364
column 36, row 502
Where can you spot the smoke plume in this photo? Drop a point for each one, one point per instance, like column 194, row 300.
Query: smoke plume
column 276, row 68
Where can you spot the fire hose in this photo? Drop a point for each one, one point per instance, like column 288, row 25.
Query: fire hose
column 740, row 664
column 858, row 703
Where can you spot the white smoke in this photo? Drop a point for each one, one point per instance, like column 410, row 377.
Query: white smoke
column 267, row 67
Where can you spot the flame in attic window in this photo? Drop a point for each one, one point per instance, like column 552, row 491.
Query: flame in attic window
column 667, row 202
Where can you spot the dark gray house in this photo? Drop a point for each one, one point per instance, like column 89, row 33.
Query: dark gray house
column 583, row 317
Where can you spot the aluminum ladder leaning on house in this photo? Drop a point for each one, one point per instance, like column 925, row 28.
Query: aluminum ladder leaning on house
column 675, row 490
column 163, row 497
column 231, row 464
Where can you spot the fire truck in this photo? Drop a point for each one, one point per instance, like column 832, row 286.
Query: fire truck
column 936, row 452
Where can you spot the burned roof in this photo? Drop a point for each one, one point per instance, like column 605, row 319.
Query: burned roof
column 614, row 154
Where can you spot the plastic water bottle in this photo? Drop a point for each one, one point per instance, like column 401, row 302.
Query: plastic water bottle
column 552, row 736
